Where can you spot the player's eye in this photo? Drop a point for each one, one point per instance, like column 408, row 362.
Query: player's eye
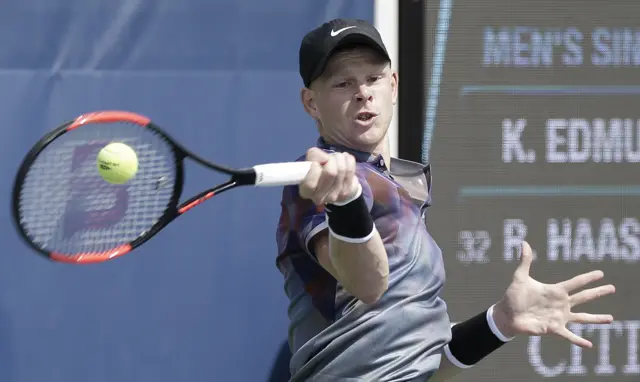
column 342, row 84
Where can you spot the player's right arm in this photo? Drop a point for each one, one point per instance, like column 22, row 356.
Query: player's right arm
column 351, row 249
column 362, row 269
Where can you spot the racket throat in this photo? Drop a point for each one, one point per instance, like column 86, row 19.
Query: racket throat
column 204, row 196
column 244, row 177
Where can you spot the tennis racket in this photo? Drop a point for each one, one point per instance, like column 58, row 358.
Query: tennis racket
column 68, row 213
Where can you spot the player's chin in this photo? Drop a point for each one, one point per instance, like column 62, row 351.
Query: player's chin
column 369, row 138
column 371, row 133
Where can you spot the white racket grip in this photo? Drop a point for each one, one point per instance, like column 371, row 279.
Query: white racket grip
column 281, row 174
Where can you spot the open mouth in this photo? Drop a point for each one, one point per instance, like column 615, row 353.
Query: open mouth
column 366, row 116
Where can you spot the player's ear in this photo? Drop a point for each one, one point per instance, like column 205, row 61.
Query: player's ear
column 307, row 96
column 394, row 86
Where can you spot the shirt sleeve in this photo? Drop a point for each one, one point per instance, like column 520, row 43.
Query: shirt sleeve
column 301, row 220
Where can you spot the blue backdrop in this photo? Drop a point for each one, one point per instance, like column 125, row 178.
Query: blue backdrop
column 203, row 301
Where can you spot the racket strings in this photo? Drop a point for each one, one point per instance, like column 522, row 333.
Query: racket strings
column 66, row 206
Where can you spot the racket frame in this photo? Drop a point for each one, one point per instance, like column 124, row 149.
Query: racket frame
column 239, row 177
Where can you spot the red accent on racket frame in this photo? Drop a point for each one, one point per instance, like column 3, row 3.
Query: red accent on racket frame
column 109, row 117
column 91, row 257
column 196, row 202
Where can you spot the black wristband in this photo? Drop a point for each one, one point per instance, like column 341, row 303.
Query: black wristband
column 350, row 222
column 474, row 339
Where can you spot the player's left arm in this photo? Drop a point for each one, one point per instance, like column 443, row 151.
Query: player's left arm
column 528, row 307
column 471, row 341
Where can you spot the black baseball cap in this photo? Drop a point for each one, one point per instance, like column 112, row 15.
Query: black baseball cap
column 319, row 44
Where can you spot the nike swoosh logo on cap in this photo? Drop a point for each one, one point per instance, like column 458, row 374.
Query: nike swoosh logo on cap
column 335, row 33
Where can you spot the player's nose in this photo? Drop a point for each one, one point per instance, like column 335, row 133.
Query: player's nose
column 363, row 94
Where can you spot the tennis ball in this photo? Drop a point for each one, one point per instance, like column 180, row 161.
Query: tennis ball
column 117, row 163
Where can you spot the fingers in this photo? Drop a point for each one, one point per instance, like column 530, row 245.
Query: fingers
column 315, row 154
column 335, row 181
column 330, row 171
column 581, row 280
column 587, row 318
column 350, row 177
column 591, row 294
column 317, row 158
column 331, row 179
column 573, row 338
column 310, row 182
column 522, row 272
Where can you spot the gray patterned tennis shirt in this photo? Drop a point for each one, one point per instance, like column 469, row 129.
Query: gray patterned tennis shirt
column 333, row 335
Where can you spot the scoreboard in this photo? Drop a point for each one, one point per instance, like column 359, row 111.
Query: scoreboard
column 531, row 123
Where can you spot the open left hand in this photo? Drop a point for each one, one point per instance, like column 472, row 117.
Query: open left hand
column 532, row 308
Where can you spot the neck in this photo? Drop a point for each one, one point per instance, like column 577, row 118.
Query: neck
column 382, row 148
column 386, row 151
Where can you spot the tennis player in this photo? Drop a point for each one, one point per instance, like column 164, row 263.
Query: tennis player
column 362, row 272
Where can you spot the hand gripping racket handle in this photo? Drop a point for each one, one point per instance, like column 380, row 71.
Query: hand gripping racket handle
column 281, row 174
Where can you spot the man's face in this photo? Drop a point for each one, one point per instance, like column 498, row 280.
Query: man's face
column 353, row 99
